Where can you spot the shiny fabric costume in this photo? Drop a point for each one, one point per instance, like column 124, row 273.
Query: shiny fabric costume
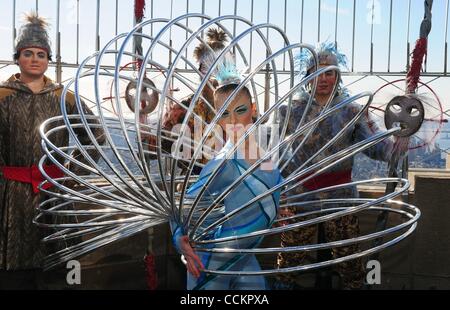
column 258, row 216
column 21, row 114
column 352, row 273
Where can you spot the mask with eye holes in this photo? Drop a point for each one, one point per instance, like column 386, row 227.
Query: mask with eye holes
column 406, row 112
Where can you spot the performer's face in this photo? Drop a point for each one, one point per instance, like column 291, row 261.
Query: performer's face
column 33, row 62
column 325, row 83
column 238, row 117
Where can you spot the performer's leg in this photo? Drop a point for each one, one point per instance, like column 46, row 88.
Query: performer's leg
column 301, row 236
column 352, row 272
column 242, row 283
column 208, row 281
column 218, row 283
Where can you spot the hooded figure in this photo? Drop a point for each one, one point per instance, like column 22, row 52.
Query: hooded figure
column 26, row 100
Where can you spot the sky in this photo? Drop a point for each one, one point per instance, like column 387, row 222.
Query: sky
column 296, row 29
column 163, row 8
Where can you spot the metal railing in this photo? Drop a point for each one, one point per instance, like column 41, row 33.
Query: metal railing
column 309, row 20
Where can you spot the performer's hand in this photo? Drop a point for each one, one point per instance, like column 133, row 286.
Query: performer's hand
column 194, row 264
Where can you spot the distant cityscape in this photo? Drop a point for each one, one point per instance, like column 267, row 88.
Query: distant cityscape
column 367, row 168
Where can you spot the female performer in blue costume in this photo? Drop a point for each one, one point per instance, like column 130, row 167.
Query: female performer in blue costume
column 236, row 119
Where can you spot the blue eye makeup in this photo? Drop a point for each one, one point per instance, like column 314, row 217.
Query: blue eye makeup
column 225, row 114
column 241, row 109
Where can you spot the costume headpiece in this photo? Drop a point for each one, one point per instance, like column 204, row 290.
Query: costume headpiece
column 33, row 34
column 327, row 54
column 226, row 71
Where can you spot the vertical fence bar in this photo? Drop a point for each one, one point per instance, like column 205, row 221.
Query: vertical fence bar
column 152, row 15
column 336, row 23
column 116, row 27
column 267, row 75
column 220, row 7
column 446, row 39
column 285, row 30
column 408, row 43
column 37, row 7
column 234, row 21
column 14, row 31
column 252, row 16
column 172, row 81
column 371, row 36
column 268, row 18
column 301, row 21
column 354, row 34
column 97, row 27
column 186, row 35
column 319, row 15
column 203, row 13
column 58, row 44
column 390, row 39
column 78, row 32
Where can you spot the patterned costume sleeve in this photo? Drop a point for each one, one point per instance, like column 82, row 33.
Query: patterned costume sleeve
column 3, row 129
column 294, row 118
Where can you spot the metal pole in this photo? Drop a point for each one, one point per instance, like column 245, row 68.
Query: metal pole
column 267, row 75
column 251, row 34
column 371, row 36
column 285, row 28
column 408, row 43
column 446, row 39
column 37, row 7
column 301, row 21
column 390, row 40
column 336, row 23
column 171, row 17
column 152, row 15
column 234, row 21
column 78, row 31
column 187, row 26
column 318, row 21
column 14, row 31
column 268, row 18
column 97, row 27
column 354, row 33
column 116, row 29
column 203, row 12
column 58, row 44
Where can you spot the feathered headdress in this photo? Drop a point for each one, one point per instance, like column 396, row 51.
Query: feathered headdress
column 226, row 71
column 33, row 34
column 327, row 54
column 216, row 40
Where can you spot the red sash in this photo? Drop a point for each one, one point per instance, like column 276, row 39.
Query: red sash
column 329, row 179
column 31, row 175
